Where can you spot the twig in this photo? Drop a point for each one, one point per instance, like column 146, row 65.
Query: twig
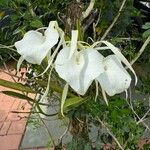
column 114, row 21
column 7, row 47
column 33, row 14
column 113, row 136
column 141, row 50
column 147, row 127
column 98, row 19
column 129, row 39
column 86, row 13
column 65, row 132
column 5, row 66
column 142, row 119
column 10, row 74
column 13, row 57
column 46, row 129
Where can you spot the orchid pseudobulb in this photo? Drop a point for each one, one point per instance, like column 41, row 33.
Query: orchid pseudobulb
column 34, row 46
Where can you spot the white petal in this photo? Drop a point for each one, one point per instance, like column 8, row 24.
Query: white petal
column 69, row 69
column 93, row 67
column 115, row 79
column 51, row 37
column 34, row 46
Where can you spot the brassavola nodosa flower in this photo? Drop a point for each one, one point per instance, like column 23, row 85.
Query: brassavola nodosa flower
column 35, row 46
column 78, row 68
column 115, row 79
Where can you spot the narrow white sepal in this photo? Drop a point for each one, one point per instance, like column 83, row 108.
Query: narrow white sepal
column 96, row 95
column 21, row 59
column 50, row 61
column 104, row 96
column 47, row 88
column 126, row 94
column 64, row 96
column 74, row 38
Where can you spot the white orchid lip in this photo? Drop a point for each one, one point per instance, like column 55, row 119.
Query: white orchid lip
column 81, row 69
column 34, row 46
column 115, row 79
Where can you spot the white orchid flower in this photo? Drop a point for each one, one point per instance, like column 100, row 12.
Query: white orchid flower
column 34, row 46
column 78, row 68
column 115, row 79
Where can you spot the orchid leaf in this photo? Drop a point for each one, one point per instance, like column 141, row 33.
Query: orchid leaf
column 73, row 102
column 16, row 86
column 42, row 112
column 18, row 95
column 21, row 96
column 50, row 61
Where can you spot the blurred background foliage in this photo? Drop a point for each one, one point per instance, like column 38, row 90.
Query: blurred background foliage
column 129, row 33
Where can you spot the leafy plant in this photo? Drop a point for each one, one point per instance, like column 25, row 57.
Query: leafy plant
column 117, row 124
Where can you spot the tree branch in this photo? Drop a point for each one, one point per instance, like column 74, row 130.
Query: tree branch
column 86, row 13
column 103, row 124
column 114, row 21
column 141, row 50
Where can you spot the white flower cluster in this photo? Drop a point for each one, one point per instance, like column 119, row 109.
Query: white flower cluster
column 77, row 62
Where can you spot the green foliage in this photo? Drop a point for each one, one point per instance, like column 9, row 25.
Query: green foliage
column 147, row 28
column 19, row 16
column 119, row 119
column 73, row 102
column 36, row 23
column 109, row 10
